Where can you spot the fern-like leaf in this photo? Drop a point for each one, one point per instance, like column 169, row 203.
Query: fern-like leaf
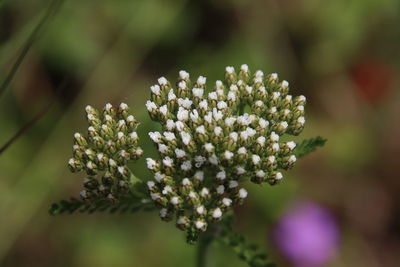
column 309, row 145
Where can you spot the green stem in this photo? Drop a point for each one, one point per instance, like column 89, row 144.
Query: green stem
column 202, row 251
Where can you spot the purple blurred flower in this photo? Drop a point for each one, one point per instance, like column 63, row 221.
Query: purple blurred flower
column 307, row 235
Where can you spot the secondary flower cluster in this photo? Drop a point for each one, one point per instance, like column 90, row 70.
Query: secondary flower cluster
column 210, row 141
column 110, row 143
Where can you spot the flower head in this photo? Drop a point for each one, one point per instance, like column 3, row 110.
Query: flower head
column 216, row 144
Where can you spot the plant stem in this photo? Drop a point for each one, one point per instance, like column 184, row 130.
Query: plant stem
column 202, row 251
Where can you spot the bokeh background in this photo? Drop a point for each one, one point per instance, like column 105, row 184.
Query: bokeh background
column 343, row 55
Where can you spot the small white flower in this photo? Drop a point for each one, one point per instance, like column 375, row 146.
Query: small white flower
column 200, row 210
column 194, row 115
column 164, row 110
column 112, row 163
column 121, row 170
column 274, row 76
column 244, row 135
column 233, row 88
column 167, row 189
column 263, row 123
column 108, row 118
column 155, row 196
column 261, row 140
column 162, row 148
column 276, row 95
column 204, row 192
column 151, row 106
column 249, row 89
column 151, row 163
column 283, row 124
column 158, row 176
column 185, row 102
column 227, row 201
column 108, row 106
column 217, row 131
column 100, row 156
column 221, row 189
column 291, row 145
column 271, row 159
column 155, row 89
column 89, row 165
column 171, row 95
column 162, row 81
column 301, row 120
column 186, row 138
column 242, row 193
column 186, row 182
column 192, row 195
column 209, row 147
column 213, row 96
column 221, row 175
column 163, row 213
column 120, row 135
column 275, row 146
column 199, row 161
column 217, row 213
column 302, row 98
column 259, row 103
column 83, row 194
column 167, row 161
column 183, row 114
column 244, row 68
column 273, row 110
column 242, row 150
column 285, row 84
column 186, row 165
column 170, row 125
column 250, row 131
column 180, row 126
column 292, row 159
column 182, row 85
column 183, row 75
column 123, row 106
column 169, row 136
column 240, row 170
column 201, row 80
column 199, row 175
column 180, row 153
column 213, row 160
column 208, row 117
column 260, row 173
column 233, row 184
column 274, row 137
column 230, row 70
column 175, row 201
column 181, row 220
column 201, row 129
column 259, row 73
column 219, row 84
column 228, row 155
column 198, row 92
column 203, row 104
column 256, row 159
column 199, row 224
column 229, row 121
column 288, row 98
column 278, row 176
column 234, row 136
column 300, row 108
column 222, row 105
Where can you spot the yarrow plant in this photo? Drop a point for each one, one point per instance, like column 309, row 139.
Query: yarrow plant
column 214, row 137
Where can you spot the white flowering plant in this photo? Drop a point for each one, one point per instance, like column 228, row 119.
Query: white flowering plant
column 213, row 139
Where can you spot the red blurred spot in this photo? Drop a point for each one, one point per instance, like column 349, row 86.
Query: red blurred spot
column 372, row 78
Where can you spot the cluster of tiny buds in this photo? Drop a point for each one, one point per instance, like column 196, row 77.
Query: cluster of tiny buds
column 213, row 138
column 110, row 142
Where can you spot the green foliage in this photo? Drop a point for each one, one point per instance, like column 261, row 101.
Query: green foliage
column 247, row 252
column 309, row 145
column 123, row 205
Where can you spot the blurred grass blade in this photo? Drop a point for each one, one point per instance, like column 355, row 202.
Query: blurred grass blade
column 309, row 145
column 50, row 12
column 33, row 121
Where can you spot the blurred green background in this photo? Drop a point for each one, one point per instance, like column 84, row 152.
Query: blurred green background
column 343, row 55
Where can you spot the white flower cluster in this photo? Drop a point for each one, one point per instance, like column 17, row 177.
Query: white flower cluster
column 110, row 143
column 211, row 140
